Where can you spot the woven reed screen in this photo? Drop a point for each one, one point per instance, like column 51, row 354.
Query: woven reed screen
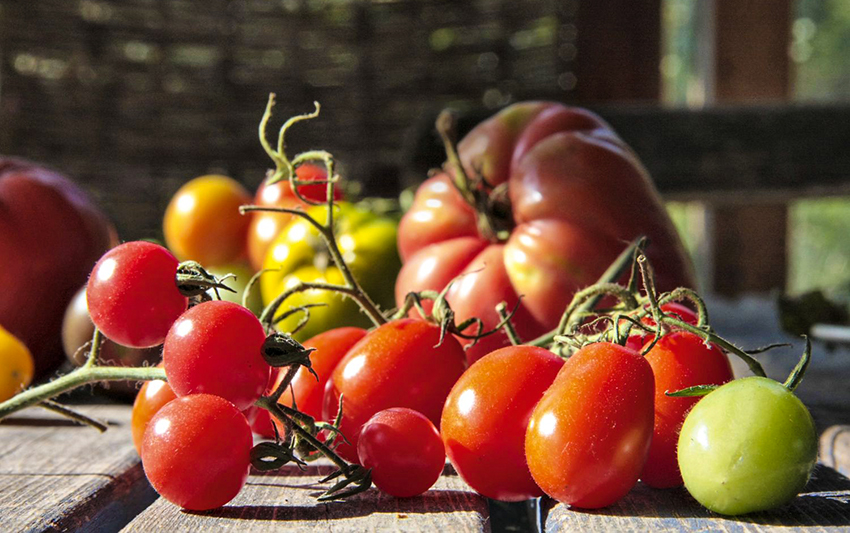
column 134, row 97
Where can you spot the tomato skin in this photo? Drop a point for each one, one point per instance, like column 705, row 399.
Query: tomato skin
column 395, row 365
column 216, row 348
column 589, row 435
column 197, row 451
column 679, row 360
column 486, row 415
column 152, row 397
column 404, row 451
column 132, row 294
column 51, row 235
column 748, row 446
column 202, row 221
column 16, row 365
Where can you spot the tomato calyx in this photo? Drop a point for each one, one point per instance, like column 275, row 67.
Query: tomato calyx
column 492, row 204
column 280, row 349
column 193, row 281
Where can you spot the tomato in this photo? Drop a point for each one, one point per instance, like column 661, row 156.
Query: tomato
column 132, row 294
column 486, row 416
column 589, row 435
column 197, row 452
column 202, row 221
column 575, row 194
column 216, row 348
column 398, row 364
column 368, row 245
column 404, row 451
column 152, row 397
column 265, row 226
column 51, row 235
column 77, row 330
column 750, row 445
column 639, row 338
column 679, row 360
column 16, row 365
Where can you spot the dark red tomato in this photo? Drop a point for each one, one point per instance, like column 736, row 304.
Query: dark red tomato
column 589, row 435
column 216, row 348
column 151, row 398
column 486, row 415
column 560, row 166
column 51, row 235
column 398, row 364
column 307, row 391
column 404, row 451
column 265, row 226
column 132, row 294
column 263, row 425
column 682, row 312
column 197, row 451
column 679, row 360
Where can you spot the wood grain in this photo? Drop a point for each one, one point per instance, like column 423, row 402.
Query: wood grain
column 60, row 476
column 286, row 501
column 835, row 448
column 823, row 506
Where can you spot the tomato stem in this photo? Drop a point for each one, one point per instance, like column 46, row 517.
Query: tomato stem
column 510, row 331
column 796, row 375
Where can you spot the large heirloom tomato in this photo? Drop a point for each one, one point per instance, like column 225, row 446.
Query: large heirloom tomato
column 565, row 195
column 368, row 245
column 51, row 235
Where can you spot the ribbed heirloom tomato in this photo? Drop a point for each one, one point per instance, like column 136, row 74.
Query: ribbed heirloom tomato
column 567, row 194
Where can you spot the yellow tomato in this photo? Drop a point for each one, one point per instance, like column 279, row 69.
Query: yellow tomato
column 16, row 365
column 202, row 221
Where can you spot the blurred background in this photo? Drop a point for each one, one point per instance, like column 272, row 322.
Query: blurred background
column 736, row 107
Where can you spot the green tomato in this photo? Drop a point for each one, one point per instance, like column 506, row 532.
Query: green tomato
column 242, row 273
column 749, row 445
column 368, row 245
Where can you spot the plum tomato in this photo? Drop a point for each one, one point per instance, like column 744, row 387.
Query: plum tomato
column 639, row 338
column 486, row 416
column 16, row 365
column 679, row 360
column 197, row 451
column 399, row 364
column 151, row 398
column 216, row 348
column 404, row 451
column 132, row 294
column 589, row 435
column 750, row 445
column 202, row 221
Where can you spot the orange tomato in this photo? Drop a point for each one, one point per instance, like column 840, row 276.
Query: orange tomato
column 16, row 365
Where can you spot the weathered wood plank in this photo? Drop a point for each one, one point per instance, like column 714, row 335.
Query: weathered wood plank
column 285, row 500
column 60, row 476
column 835, row 448
column 823, row 506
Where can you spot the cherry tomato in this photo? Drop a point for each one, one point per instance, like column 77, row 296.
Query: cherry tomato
column 216, row 348
column 750, row 445
column 589, row 435
column 16, row 365
column 639, row 339
column 132, row 294
column 398, row 364
column 307, row 391
column 197, row 451
column 679, row 360
column 486, row 416
column 151, row 398
column 265, row 226
column 404, row 451
column 202, row 221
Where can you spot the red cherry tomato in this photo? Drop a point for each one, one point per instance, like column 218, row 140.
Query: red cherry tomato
column 486, row 415
column 151, row 398
column 132, row 294
column 216, row 348
column 264, row 226
column 398, row 364
column 404, row 451
column 589, row 435
column 640, row 338
column 197, row 451
column 558, row 166
column 307, row 391
column 679, row 360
